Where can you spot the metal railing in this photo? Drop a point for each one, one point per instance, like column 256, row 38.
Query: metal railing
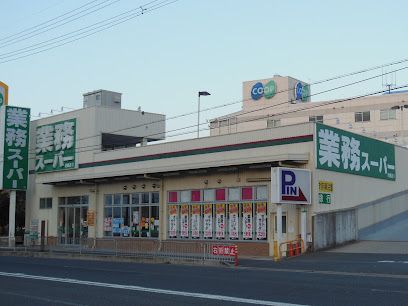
column 143, row 248
column 291, row 248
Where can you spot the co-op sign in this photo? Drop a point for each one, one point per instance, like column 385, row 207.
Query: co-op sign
column 291, row 186
column 268, row 90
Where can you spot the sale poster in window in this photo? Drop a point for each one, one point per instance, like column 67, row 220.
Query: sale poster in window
column 261, row 221
column 184, row 221
column 220, row 221
column 172, row 221
column 247, row 220
column 208, row 221
column 233, row 221
column 195, row 221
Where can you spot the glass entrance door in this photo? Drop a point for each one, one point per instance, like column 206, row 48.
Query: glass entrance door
column 72, row 220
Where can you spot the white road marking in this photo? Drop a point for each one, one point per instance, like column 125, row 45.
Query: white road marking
column 38, row 298
column 393, row 261
column 149, row 290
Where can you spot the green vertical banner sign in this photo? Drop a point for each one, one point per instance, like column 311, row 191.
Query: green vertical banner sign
column 55, row 146
column 14, row 131
column 342, row 151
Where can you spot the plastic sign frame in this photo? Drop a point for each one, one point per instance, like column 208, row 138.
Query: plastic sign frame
column 291, row 186
column 3, row 94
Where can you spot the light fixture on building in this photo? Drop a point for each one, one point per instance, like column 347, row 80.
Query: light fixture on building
column 125, row 187
column 200, row 93
column 206, row 181
column 143, row 186
column 154, row 185
column 133, row 187
column 219, row 181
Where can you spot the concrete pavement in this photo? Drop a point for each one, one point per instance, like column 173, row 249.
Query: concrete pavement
column 374, row 247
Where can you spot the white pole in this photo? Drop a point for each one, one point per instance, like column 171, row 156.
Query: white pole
column 279, row 224
column 303, row 220
column 402, row 126
column 12, row 218
column 198, row 117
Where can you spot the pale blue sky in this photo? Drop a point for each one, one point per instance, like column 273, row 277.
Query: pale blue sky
column 160, row 60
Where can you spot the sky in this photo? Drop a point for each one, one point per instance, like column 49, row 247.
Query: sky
column 161, row 59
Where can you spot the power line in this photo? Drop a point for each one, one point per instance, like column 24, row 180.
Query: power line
column 140, row 11
column 58, row 23
column 50, row 22
column 79, row 32
column 248, row 120
column 243, row 100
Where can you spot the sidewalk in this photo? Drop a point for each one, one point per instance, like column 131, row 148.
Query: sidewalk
column 374, row 247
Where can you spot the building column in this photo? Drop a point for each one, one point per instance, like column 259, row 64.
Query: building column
column 303, row 224
column 278, row 225
column 93, row 205
column 12, row 218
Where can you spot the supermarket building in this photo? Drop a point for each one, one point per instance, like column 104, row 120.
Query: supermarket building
column 106, row 178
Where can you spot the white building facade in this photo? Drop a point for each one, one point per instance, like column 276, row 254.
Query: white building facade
column 97, row 173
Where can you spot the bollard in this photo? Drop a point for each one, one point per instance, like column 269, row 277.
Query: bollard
column 236, row 255
column 290, row 249
column 276, row 252
column 297, row 250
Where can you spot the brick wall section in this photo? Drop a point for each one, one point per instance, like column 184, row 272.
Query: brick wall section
column 171, row 246
column 253, row 249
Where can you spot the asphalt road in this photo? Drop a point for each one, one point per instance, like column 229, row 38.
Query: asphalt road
column 317, row 279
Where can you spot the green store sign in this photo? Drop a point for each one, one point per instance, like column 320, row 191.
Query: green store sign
column 341, row 151
column 325, row 198
column 55, row 146
column 16, row 124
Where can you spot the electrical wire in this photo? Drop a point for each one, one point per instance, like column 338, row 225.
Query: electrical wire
column 44, row 27
column 103, row 25
column 78, row 32
column 248, row 120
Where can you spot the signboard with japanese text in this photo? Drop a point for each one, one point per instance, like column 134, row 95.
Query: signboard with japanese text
column 261, row 221
column 220, row 221
column 90, row 217
column 107, row 224
column 341, row 151
column 34, row 229
column 55, row 146
column 325, row 198
column 14, row 131
column 208, row 221
column 184, row 221
column 195, row 221
column 225, row 250
column 233, row 221
column 247, row 222
column 325, row 186
column 117, row 225
column 172, row 221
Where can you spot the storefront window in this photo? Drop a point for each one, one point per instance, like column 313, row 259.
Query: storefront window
column 145, row 197
column 242, row 217
column 108, row 199
column 132, row 215
column 116, row 198
column 155, row 197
